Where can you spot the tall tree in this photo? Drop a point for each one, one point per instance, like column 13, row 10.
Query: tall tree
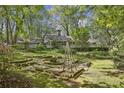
column 109, row 20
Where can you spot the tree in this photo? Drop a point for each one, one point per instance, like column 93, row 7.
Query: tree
column 109, row 20
column 18, row 19
column 68, row 16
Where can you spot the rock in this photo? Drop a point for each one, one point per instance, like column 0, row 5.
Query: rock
column 59, row 57
column 53, row 59
column 46, row 62
column 30, row 68
column 88, row 64
column 47, row 56
column 40, row 66
column 39, row 69
column 80, row 61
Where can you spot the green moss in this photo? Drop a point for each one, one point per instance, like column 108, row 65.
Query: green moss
column 102, row 64
column 46, row 81
column 101, row 73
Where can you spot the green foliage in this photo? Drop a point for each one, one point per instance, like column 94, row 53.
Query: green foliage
column 46, row 81
column 109, row 20
column 81, row 36
column 9, row 79
column 40, row 47
column 18, row 46
column 69, row 16
column 26, row 23
column 119, row 60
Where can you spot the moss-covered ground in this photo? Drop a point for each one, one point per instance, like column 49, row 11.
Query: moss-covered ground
column 102, row 73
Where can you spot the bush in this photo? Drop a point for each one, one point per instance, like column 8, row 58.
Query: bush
column 98, row 55
column 37, row 48
column 18, row 46
column 63, row 51
column 119, row 60
column 40, row 47
column 103, row 57
column 92, row 49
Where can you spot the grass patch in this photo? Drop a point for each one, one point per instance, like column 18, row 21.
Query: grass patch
column 101, row 74
column 102, row 64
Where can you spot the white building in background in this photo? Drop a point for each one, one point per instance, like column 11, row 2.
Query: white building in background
column 58, row 37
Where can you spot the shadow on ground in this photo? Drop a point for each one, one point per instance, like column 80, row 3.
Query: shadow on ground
column 113, row 73
column 10, row 79
column 88, row 84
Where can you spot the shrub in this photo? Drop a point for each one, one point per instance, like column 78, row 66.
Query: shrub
column 98, row 55
column 92, row 49
column 63, row 51
column 18, row 46
column 40, row 47
column 119, row 61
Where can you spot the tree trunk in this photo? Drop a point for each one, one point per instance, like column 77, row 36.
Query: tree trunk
column 11, row 32
column 7, row 30
column 67, row 31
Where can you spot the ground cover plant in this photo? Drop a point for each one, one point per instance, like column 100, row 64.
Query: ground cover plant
column 61, row 46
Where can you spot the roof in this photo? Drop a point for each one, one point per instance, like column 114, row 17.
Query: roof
column 58, row 38
column 33, row 41
column 92, row 40
column 59, row 27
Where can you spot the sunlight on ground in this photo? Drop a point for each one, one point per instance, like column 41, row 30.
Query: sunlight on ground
column 100, row 74
column 102, row 64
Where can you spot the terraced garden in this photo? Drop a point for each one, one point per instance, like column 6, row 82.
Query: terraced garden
column 44, row 69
